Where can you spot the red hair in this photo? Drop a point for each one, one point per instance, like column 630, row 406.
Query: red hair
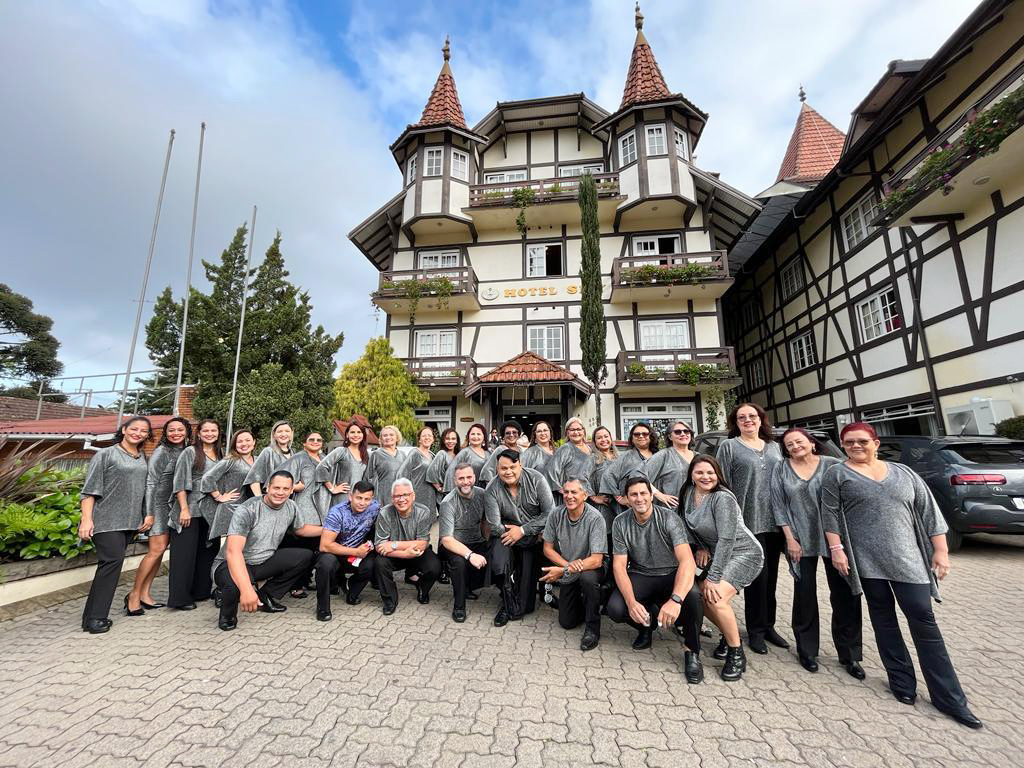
column 859, row 426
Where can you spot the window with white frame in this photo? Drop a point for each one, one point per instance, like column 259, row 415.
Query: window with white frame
column 750, row 312
column 460, row 165
column 801, row 351
column 579, row 170
column 856, row 222
column 879, row 315
column 627, row 149
column 664, row 334
column 497, row 177
column 438, row 259
column 548, row 341
column 757, row 374
column 438, row 418
column 792, row 278
column 656, row 140
column 660, row 416
column 435, row 159
column 656, row 245
column 544, row 260
column 410, row 172
column 435, row 342
column 681, row 144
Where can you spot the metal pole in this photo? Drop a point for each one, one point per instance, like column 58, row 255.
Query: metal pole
column 145, row 280
column 241, row 324
column 39, row 404
column 188, row 278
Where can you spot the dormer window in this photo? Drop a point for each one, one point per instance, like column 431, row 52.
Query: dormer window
column 627, row 149
column 681, row 145
column 410, row 170
column 435, row 159
column 656, row 140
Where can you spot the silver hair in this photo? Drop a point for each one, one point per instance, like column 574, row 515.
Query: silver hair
column 401, row 481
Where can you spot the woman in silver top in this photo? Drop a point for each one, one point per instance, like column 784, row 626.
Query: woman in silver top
column 302, row 467
column 437, row 472
column 224, row 483
column 747, row 459
column 796, row 503
column 271, row 458
column 415, row 466
column 382, row 468
column 541, row 449
column 570, row 458
column 474, row 452
column 886, row 534
column 667, row 469
column 643, row 443
column 159, row 494
column 113, row 511
column 602, row 459
column 342, row 468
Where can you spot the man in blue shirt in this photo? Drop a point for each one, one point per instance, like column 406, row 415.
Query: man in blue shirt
column 346, row 544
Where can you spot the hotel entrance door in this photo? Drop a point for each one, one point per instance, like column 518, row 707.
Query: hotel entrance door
column 527, row 416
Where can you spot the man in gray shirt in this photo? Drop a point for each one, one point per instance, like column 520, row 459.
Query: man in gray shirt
column 654, row 574
column 576, row 541
column 516, row 505
column 461, row 537
column 251, row 554
column 402, row 540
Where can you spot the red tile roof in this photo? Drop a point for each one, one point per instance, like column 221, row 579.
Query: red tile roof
column 813, row 150
column 527, row 367
column 362, row 421
column 443, row 106
column 22, row 409
column 644, row 81
column 90, row 425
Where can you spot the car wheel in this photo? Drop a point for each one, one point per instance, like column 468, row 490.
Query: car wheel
column 954, row 539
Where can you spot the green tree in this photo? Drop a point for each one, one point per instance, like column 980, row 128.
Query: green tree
column 27, row 348
column 378, row 386
column 592, row 324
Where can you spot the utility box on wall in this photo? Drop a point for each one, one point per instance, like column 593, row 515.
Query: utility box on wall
column 979, row 417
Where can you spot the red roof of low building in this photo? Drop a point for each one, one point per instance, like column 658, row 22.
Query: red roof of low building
column 91, row 426
column 342, row 426
column 443, row 107
column 22, row 409
column 814, row 148
column 527, row 367
column 644, row 81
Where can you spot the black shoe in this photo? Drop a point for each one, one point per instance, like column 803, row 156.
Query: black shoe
column 185, row 607
column 757, row 645
column 388, row 608
column 589, row 641
column 721, row 650
column 472, row 596
column 96, row 626
column 459, row 615
column 776, row 639
column 735, row 664
column 350, row 600
column 444, row 578
column 854, row 669
column 227, row 623
column 217, row 597
column 809, row 663
column 500, row 618
column 643, row 639
column 129, row 612
column 270, row 605
column 422, row 595
column 299, row 594
column 693, row 670
column 906, row 698
column 151, row 606
column 324, row 615
column 335, row 589
column 966, row 717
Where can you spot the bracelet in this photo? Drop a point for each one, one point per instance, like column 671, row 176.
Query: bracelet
column 834, row 547
column 469, row 555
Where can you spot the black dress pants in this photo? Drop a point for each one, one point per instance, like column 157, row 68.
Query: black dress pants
column 579, row 601
column 326, row 568
column 312, row 543
column 427, row 565
column 192, row 556
column 279, row 572
column 847, row 621
column 915, row 602
column 517, row 569
column 110, row 548
column 652, row 592
column 465, row 577
column 759, row 605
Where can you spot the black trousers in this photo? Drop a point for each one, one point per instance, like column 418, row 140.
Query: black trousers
column 465, row 577
column 427, row 565
column 110, row 548
column 517, row 569
column 847, row 622
column 192, row 556
column 279, row 572
column 328, row 565
column 312, row 543
column 579, row 601
column 652, row 592
column 759, row 607
column 916, row 604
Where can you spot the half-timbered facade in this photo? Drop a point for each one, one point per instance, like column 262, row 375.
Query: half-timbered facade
column 479, row 256
column 889, row 289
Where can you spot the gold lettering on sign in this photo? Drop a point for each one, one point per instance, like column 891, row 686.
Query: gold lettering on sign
column 489, row 294
column 572, row 289
column 522, row 291
column 552, row 291
column 510, row 293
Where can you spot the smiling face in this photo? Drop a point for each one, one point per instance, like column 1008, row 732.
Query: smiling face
column 354, row 434
column 681, row 434
column 451, row 441
column 748, row 420
column 476, row 437
column 575, row 432
column 388, row 437
column 573, row 495
column 465, row 479
column 175, row 432
column 509, row 471
column 244, row 443
column 510, row 436
column 603, row 439
column 542, row 433
column 209, row 433
column 279, row 490
column 283, row 436
column 641, row 437
column 639, row 497
column 360, row 501
column 136, row 432
column 860, row 446
column 704, row 476
column 313, row 443
column 425, row 439
column 403, row 497
column 797, row 445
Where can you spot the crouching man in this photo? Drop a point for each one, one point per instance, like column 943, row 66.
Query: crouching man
column 402, row 539
column 576, row 541
column 346, row 545
column 251, row 554
column 460, row 533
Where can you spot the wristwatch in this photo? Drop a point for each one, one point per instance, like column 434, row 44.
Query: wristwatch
column 394, row 545
column 677, row 600
column 468, row 555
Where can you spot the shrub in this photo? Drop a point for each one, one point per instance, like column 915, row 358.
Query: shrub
column 1013, row 428
column 40, row 512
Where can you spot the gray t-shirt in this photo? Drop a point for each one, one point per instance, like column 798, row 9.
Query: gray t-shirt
column 529, row 508
column 650, row 547
column 797, row 503
column 391, row 526
column 578, row 539
column 461, row 517
column 263, row 528
column 117, row 480
column 748, row 473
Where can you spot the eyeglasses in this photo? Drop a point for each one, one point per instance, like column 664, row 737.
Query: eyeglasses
column 748, row 418
column 641, row 434
column 682, row 431
column 856, row 443
column 401, row 495
column 511, row 433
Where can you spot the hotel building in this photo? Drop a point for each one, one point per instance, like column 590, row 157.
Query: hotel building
column 486, row 312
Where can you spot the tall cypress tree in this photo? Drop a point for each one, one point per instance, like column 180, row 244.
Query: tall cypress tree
column 592, row 325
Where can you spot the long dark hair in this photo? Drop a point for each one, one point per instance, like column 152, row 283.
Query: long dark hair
column 119, row 435
column 482, row 428
column 450, row 431
column 233, row 450
column 363, row 455
column 188, row 432
column 199, row 462
column 533, row 433
column 764, row 431
column 706, row 459
column 653, row 445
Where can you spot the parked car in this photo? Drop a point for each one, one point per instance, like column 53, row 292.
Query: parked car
column 707, row 442
column 978, row 481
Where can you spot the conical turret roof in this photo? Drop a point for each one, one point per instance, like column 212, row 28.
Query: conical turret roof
column 644, row 81
column 443, row 107
column 814, row 148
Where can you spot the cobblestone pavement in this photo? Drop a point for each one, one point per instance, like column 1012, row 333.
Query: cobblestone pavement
column 415, row 689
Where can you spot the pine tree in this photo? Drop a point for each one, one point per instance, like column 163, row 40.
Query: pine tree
column 592, row 324
column 378, row 386
column 27, row 348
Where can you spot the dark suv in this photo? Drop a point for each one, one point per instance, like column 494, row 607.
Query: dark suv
column 707, row 442
column 977, row 480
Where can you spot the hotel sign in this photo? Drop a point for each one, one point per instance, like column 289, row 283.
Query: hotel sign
column 531, row 291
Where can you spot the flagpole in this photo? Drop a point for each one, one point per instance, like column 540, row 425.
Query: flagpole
column 241, row 325
column 145, row 281
column 188, row 278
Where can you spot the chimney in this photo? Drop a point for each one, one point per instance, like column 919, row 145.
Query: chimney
column 186, row 395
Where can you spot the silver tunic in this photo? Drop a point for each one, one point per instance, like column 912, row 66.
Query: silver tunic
column 748, row 473
column 223, row 477
column 382, row 470
column 529, row 508
column 303, row 469
column 437, row 472
column 537, row 458
column 267, row 463
column 797, row 503
column 596, row 467
column 717, row 526
column 629, row 464
column 190, row 480
column 568, row 461
column 159, row 485
column 337, row 467
column 117, row 481
column 667, row 470
column 415, row 468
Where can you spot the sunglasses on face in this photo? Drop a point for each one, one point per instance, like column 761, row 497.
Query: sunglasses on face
column 748, row 418
column 641, row 434
column 682, row 432
column 856, row 443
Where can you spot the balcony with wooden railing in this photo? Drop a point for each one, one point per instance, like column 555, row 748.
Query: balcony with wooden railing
column 549, row 201
column 697, row 368
column 670, row 276
column 427, row 290
column 455, row 372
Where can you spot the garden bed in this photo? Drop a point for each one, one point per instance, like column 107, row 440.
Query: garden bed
column 26, row 569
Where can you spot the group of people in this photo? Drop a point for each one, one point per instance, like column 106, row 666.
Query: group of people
column 652, row 538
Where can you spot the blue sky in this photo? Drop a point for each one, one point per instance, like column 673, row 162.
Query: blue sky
column 302, row 100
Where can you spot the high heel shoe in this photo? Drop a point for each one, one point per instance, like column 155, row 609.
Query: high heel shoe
column 151, row 606
column 129, row 612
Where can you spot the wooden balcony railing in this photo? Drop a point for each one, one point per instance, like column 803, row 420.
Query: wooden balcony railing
column 669, row 269
column 544, row 190
column 442, row 281
column 693, row 366
column 442, row 371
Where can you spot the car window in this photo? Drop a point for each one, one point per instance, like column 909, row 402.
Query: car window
column 890, row 451
column 988, row 453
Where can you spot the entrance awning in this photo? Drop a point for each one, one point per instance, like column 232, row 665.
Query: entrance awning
column 529, row 369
